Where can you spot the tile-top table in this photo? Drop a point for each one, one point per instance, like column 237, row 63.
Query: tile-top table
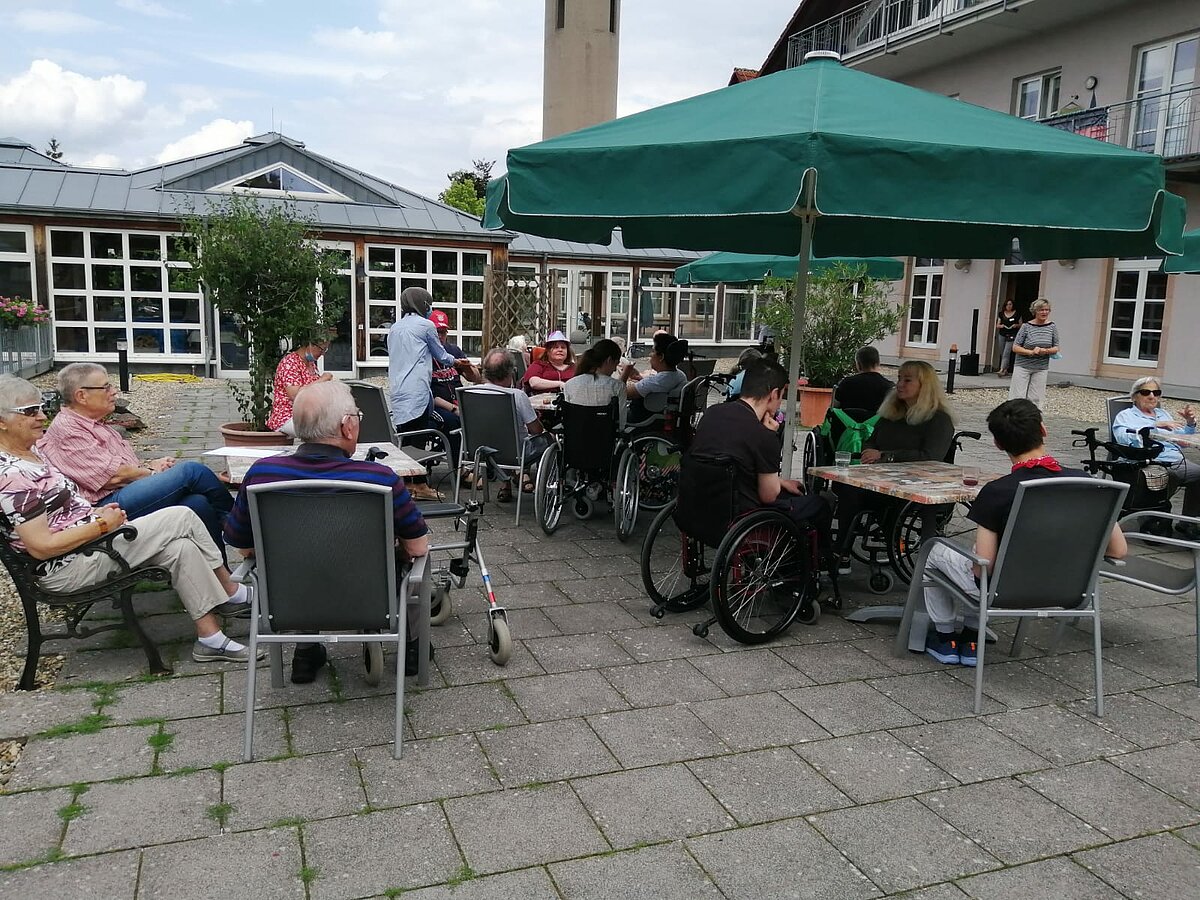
column 544, row 402
column 238, row 460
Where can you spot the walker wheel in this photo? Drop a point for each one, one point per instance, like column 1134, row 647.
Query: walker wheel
column 373, row 662
column 441, row 607
column 500, row 644
column 881, row 582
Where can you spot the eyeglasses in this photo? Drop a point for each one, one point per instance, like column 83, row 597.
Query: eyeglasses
column 1146, row 392
column 32, row 410
column 358, row 413
column 98, row 387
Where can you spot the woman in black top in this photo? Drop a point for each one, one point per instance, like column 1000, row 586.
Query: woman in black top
column 1007, row 324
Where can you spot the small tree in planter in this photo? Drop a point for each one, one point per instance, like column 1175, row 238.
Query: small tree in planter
column 258, row 265
column 839, row 318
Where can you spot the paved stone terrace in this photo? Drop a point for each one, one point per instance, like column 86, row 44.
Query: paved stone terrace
column 616, row 756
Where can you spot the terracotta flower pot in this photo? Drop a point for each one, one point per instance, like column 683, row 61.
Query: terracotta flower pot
column 814, row 405
column 240, row 434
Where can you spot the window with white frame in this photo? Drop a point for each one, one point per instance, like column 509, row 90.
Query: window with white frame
column 619, row 291
column 1037, row 95
column 737, row 322
column 1165, row 114
column 925, row 304
column 281, row 180
column 697, row 314
column 1136, row 311
column 454, row 278
column 110, row 286
column 16, row 262
column 656, row 304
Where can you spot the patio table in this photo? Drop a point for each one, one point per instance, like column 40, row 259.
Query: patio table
column 1190, row 441
column 926, row 483
column 238, row 460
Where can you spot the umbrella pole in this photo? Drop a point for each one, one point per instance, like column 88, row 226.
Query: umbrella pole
column 808, row 217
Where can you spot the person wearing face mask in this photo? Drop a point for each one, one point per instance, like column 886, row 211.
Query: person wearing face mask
column 295, row 371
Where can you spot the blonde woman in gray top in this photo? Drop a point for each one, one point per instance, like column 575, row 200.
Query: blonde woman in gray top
column 1035, row 343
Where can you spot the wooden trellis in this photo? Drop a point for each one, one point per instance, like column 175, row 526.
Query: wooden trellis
column 520, row 301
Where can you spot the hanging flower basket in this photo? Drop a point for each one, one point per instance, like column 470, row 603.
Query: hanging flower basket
column 15, row 312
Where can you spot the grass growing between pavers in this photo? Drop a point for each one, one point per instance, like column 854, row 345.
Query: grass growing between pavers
column 219, row 813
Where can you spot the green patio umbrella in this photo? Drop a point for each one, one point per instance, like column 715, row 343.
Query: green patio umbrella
column 1189, row 263
column 743, row 267
column 824, row 160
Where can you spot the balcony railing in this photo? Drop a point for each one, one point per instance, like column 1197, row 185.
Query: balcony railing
column 877, row 24
column 26, row 351
column 1167, row 124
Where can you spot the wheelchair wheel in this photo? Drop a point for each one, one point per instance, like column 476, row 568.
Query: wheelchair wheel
column 904, row 542
column 808, row 461
column 881, row 582
column 760, row 577
column 675, row 567
column 658, row 463
column 626, row 494
column 548, row 490
column 582, row 507
column 373, row 663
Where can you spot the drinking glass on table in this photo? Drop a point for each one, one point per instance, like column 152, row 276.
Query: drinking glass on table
column 841, row 459
column 970, row 475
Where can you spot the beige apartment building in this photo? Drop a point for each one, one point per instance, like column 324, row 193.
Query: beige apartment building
column 1124, row 71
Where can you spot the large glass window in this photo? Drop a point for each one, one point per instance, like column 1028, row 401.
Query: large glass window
column 453, row 277
column 1136, row 311
column 619, row 291
column 738, row 321
column 16, row 261
column 1037, row 96
column 925, row 304
column 109, row 287
column 656, row 304
column 697, row 314
column 1167, row 102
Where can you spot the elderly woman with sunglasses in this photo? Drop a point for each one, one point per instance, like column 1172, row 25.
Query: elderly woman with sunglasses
column 44, row 514
column 1147, row 411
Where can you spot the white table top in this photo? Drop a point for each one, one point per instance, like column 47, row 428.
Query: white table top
column 240, row 459
column 1176, row 437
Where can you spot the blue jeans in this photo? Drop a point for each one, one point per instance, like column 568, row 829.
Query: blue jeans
column 189, row 484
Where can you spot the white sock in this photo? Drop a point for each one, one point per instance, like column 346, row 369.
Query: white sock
column 218, row 639
column 241, row 595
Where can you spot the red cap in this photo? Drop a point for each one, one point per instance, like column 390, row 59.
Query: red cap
column 440, row 320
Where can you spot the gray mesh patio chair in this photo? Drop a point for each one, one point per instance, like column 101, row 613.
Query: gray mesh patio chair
column 325, row 561
column 489, row 419
column 1154, row 573
column 1065, row 522
column 426, row 445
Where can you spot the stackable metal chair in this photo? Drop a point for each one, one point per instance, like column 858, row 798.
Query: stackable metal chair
column 489, row 419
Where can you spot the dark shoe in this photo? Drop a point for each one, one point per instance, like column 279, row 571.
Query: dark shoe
column 307, row 662
column 504, row 495
column 411, row 659
column 967, row 654
column 1188, row 531
column 944, row 649
column 229, row 610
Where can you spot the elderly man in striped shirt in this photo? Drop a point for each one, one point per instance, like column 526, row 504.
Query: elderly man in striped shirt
column 327, row 421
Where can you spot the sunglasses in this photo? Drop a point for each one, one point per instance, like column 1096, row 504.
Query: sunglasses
column 1146, row 392
column 32, row 410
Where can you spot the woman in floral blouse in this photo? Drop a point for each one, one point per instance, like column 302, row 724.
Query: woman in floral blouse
column 295, row 371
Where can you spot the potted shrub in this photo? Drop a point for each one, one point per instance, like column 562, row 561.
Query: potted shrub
column 258, row 265
column 844, row 310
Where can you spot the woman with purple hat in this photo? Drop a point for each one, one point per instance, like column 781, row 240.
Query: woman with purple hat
column 555, row 368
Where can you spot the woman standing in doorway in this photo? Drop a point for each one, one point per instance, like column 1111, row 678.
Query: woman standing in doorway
column 1008, row 323
column 1035, row 343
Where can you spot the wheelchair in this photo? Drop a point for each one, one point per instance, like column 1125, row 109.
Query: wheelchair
column 760, row 570
column 576, row 470
column 1150, row 484
column 820, row 443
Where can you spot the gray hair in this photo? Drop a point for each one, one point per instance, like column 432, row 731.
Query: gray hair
column 1141, row 383
column 72, row 377
column 498, row 366
column 1039, row 303
column 319, row 409
column 16, row 391
column 517, row 342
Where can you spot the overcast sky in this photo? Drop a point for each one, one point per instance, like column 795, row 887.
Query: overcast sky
column 405, row 89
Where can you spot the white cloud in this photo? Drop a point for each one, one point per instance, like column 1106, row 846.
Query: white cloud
column 216, row 135
column 47, row 98
column 54, row 21
column 102, row 161
column 294, row 65
column 356, row 41
column 149, row 8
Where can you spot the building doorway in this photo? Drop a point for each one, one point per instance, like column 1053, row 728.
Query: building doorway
column 1022, row 288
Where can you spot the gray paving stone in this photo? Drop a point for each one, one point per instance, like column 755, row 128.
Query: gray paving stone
column 662, row 683
column 144, row 811
column 651, row 873
column 780, row 860
column 849, row 708
column 1017, row 685
column 580, row 651
column 644, row 737
column 758, row 720
column 751, row 672
column 600, row 567
column 113, row 875
column 870, row 767
column 534, row 573
column 663, row 642
column 1191, row 835
column 24, row 713
column 365, row 722
column 969, row 750
column 1059, row 878
column 200, row 743
column 944, row 891
column 1166, row 661
column 524, row 623
column 472, row 664
column 1157, row 866
column 369, row 854
column 1111, row 800
column 1140, row 721
column 1058, row 735
column 29, row 824
column 765, row 785
column 934, row 696
column 472, row 707
column 1076, row 669
column 109, row 753
column 431, row 769
column 233, row 690
column 546, row 697
column 829, row 663
column 902, row 845
column 881, row 648
column 549, row 751
column 1180, row 698
column 1012, row 822
column 306, row 787
column 201, row 696
column 524, row 827
column 526, row 884
column 653, row 804
column 529, row 595
column 256, row 865
column 589, row 618
column 1174, row 769
column 829, row 629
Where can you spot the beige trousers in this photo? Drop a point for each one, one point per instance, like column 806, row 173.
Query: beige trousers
column 173, row 538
